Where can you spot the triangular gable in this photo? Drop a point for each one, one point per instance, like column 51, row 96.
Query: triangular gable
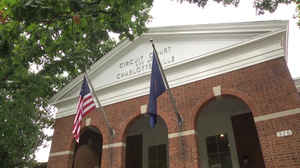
column 178, row 45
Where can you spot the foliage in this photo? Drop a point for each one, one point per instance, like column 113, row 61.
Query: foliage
column 202, row 3
column 260, row 5
column 40, row 42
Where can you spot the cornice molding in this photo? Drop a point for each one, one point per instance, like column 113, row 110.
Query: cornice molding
column 78, row 79
column 263, row 42
column 220, row 67
column 221, row 28
column 256, row 26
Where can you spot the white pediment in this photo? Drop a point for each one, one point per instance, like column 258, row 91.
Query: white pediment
column 137, row 59
column 184, row 51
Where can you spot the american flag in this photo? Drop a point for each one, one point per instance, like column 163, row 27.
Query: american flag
column 85, row 105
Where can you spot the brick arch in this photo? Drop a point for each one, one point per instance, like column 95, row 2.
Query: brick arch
column 72, row 143
column 245, row 98
column 135, row 117
column 99, row 123
column 129, row 122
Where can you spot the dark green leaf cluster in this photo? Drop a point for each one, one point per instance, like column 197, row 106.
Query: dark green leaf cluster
column 269, row 5
column 260, row 5
column 202, row 3
column 43, row 45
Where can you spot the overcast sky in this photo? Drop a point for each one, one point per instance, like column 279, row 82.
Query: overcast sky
column 169, row 13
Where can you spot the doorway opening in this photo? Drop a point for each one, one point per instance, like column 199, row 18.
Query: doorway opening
column 89, row 150
column 146, row 147
column 227, row 136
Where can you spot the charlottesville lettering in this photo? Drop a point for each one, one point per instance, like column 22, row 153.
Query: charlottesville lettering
column 143, row 63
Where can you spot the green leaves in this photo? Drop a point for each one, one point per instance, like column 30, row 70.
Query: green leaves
column 261, row 5
column 202, row 3
column 39, row 42
column 269, row 5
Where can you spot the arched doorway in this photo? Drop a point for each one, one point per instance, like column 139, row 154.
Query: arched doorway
column 146, row 147
column 88, row 152
column 227, row 136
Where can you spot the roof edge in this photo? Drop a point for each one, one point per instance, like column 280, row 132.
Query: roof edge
column 257, row 26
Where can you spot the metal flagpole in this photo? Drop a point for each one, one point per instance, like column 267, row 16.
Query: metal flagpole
column 173, row 102
column 111, row 130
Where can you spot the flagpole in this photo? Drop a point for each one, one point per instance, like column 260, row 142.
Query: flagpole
column 173, row 102
column 111, row 130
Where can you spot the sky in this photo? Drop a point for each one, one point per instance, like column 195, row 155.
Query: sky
column 170, row 13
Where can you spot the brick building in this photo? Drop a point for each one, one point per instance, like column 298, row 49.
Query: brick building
column 240, row 106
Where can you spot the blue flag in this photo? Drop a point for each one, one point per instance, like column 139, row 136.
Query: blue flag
column 157, row 87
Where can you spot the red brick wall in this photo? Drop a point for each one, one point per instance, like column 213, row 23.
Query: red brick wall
column 64, row 161
column 183, row 152
column 266, row 88
column 280, row 152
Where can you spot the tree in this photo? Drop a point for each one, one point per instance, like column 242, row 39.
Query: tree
column 260, row 5
column 43, row 40
column 40, row 42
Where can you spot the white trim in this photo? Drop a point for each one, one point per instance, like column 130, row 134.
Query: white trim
column 114, row 145
column 204, row 74
column 224, row 28
column 219, row 61
column 202, row 56
column 143, row 108
column 277, row 115
column 182, row 133
column 67, row 152
column 217, row 90
column 88, row 121
column 297, row 84
column 256, row 26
